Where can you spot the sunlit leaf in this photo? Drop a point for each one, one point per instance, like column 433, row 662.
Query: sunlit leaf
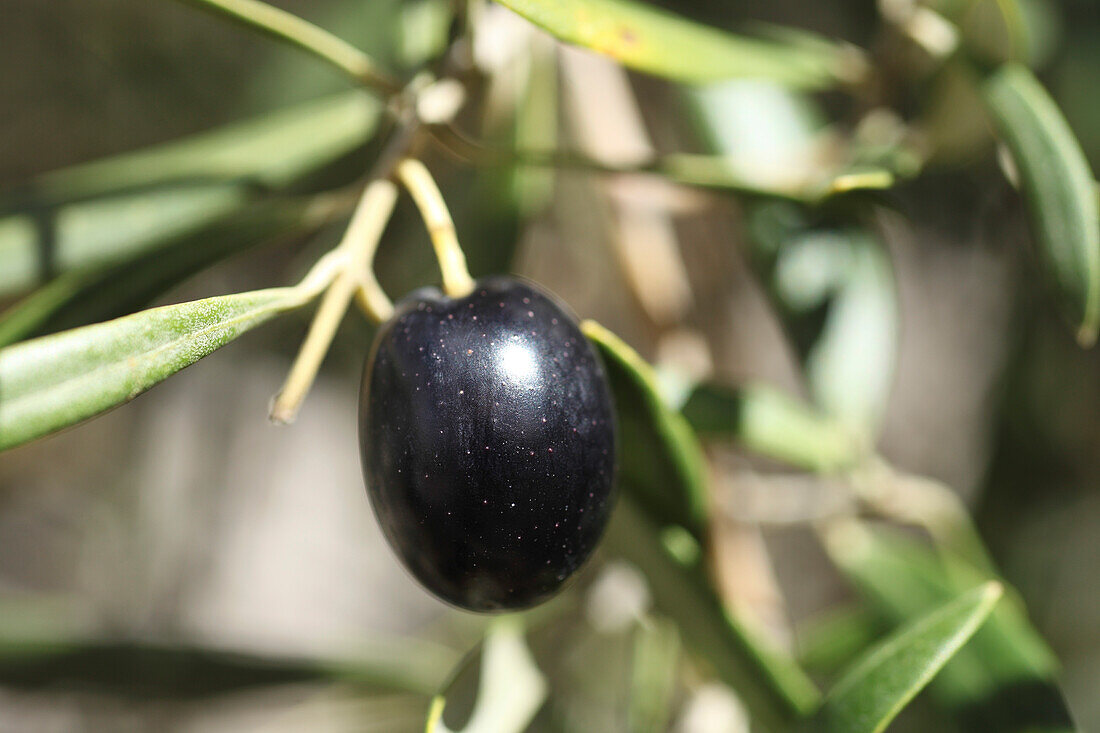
column 771, row 141
column 659, row 457
column 769, row 422
column 851, row 365
column 884, row 680
column 655, row 41
column 1057, row 187
column 1004, row 680
column 108, row 211
column 511, row 688
column 835, row 290
column 49, row 383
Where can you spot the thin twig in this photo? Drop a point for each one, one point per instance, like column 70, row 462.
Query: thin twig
column 291, row 29
column 713, row 172
column 452, row 262
column 355, row 250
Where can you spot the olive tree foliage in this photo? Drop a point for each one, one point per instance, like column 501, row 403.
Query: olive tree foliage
column 930, row 612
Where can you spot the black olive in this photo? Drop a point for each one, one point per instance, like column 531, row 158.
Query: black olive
column 487, row 439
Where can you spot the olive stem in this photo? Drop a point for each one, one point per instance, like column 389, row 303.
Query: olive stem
column 690, row 170
column 356, row 250
column 291, row 29
column 441, row 228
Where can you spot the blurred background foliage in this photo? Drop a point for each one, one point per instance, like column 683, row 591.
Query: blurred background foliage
column 834, row 371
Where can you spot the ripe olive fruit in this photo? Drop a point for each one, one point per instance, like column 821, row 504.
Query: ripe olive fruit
column 487, row 439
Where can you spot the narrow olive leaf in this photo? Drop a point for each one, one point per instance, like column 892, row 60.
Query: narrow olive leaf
column 511, row 689
column 771, row 685
column 659, row 456
column 1004, row 681
column 775, row 142
column 156, row 671
column 49, row 383
column 93, row 294
column 288, row 28
column 883, row 682
column 833, row 639
column 108, row 211
column 850, row 366
column 653, row 675
column 657, row 42
column 767, row 421
column 1057, row 187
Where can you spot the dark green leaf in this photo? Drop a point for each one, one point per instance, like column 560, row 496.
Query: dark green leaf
column 1058, row 188
column 659, row 458
column 56, row 381
column 833, row 639
column 658, row 42
column 155, row 671
column 883, row 682
column 662, row 474
column 773, row 688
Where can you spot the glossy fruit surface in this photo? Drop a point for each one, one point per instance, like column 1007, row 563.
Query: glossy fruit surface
column 487, row 439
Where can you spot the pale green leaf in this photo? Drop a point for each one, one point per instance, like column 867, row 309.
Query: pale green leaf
column 883, row 682
column 52, row 382
column 91, row 294
column 653, row 675
column 108, row 211
column 511, row 689
column 772, row 141
column 850, row 367
column 655, row 41
column 769, row 422
column 1057, row 187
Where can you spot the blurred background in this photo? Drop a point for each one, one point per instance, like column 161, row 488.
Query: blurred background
column 182, row 564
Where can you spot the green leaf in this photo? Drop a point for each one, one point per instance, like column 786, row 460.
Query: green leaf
column 835, row 637
column 109, row 211
column 836, row 293
column 659, row 525
column 511, row 689
column 89, row 295
column 162, row 671
column 1057, row 187
column 851, row 365
column 771, row 423
column 770, row 141
column 773, row 688
column 1004, row 680
column 659, row 457
column 653, row 676
column 658, row 42
column 883, row 682
column 56, row 381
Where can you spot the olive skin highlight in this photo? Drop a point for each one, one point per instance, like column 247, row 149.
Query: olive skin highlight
column 487, row 438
